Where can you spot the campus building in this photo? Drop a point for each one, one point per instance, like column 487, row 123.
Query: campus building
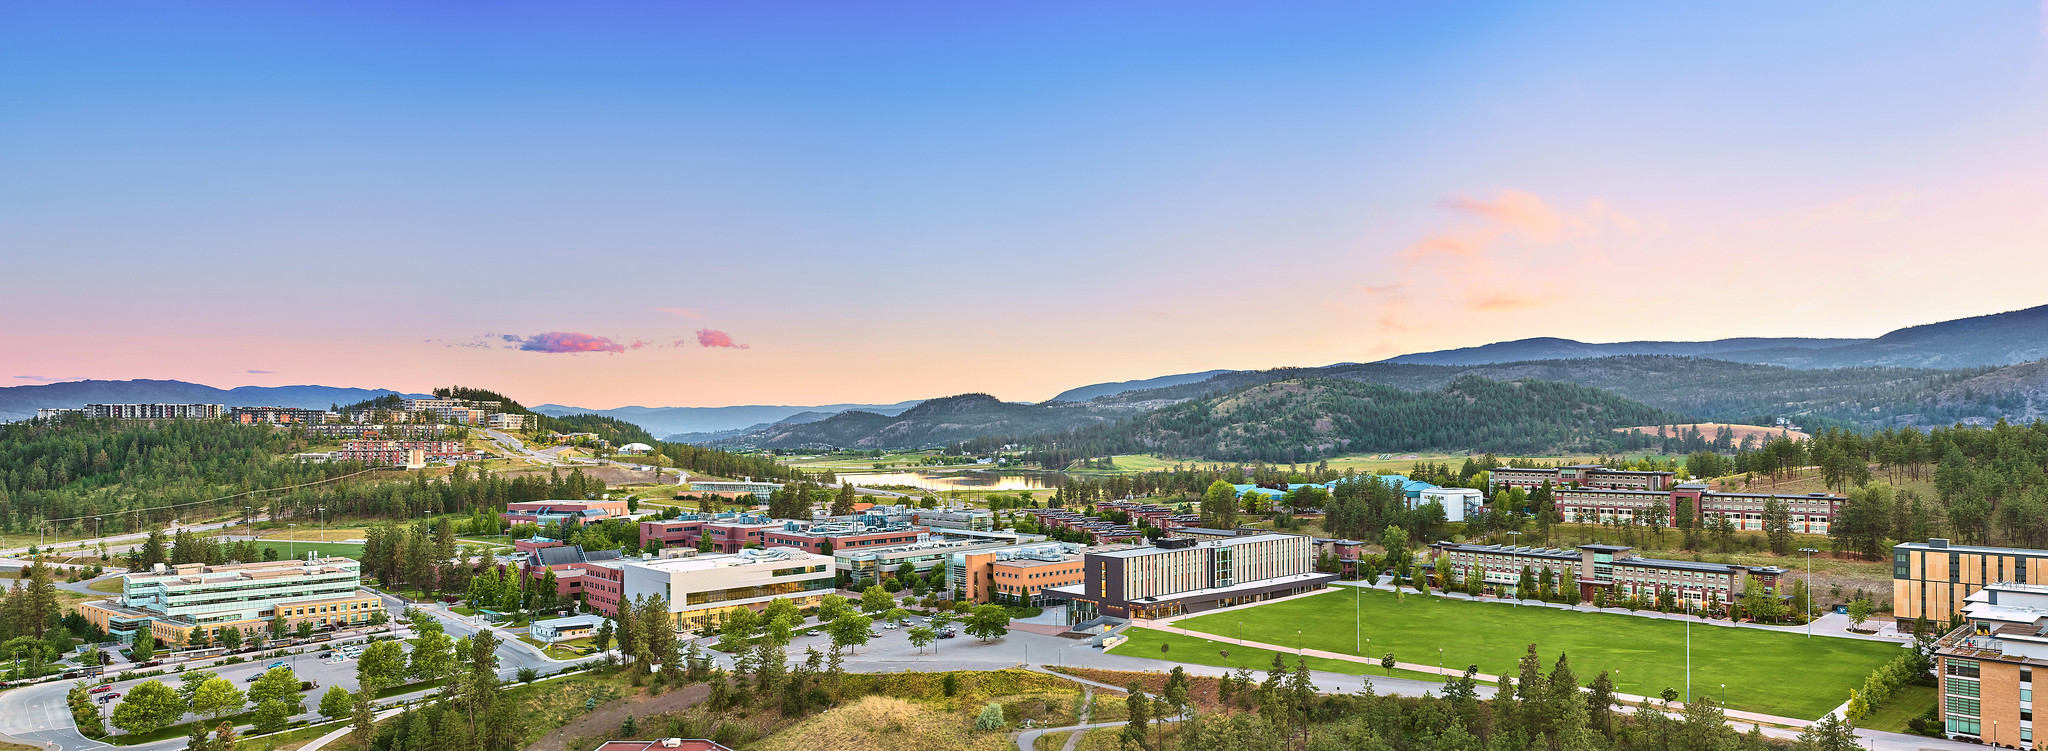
column 973, row 518
column 173, row 601
column 1182, row 575
column 700, row 589
column 1933, row 579
column 1592, row 568
column 1581, row 476
column 1099, row 531
column 1810, row 513
column 506, row 421
column 138, row 411
column 404, row 453
column 569, row 563
column 759, row 490
column 1986, row 667
column 562, row 512
column 1015, row 573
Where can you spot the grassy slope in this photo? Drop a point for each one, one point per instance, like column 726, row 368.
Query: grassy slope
column 1811, row 676
column 1909, row 703
column 1145, row 642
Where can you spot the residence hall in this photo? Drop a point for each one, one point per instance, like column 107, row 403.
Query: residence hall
column 700, row 589
column 1986, row 666
column 1596, row 567
column 174, row 601
column 1932, row 579
column 1183, row 575
column 729, row 532
column 562, row 512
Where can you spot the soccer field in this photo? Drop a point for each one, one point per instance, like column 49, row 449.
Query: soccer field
column 1764, row 671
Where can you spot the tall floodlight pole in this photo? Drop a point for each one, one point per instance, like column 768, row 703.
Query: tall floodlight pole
column 1515, row 559
column 1809, row 590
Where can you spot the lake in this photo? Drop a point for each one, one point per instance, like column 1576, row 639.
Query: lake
column 957, row 479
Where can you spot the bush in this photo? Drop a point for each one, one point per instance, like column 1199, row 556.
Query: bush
column 991, row 717
column 528, row 675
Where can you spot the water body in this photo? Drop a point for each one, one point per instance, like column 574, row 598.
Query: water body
column 941, row 480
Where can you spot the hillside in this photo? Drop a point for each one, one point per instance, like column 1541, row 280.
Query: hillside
column 680, row 422
column 1552, row 348
column 1992, row 340
column 1301, row 419
column 21, row 402
column 1091, row 391
column 936, row 422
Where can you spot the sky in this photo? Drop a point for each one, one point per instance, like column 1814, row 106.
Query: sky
column 702, row 204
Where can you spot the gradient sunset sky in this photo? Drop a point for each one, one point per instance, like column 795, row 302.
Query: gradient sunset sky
column 700, row 204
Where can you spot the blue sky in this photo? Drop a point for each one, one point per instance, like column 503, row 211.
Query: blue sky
column 891, row 201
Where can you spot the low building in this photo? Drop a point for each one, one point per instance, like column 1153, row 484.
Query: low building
column 174, row 601
column 863, row 566
column 1580, row 475
column 1181, row 575
column 564, row 629
column 1986, row 667
column 759, row 490
column 973, row 518
column 1592, row 568
column 828, row 538
column 701, row 589
column 562, row 512
column 1014, row 574
column 506, row 421
column 1458, row 503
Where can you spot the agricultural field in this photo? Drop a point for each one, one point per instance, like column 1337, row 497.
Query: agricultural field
column 1812, row 675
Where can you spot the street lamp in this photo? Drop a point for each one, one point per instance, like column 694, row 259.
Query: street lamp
column 1809, row 590
column 290, row 537
column 1440, row 665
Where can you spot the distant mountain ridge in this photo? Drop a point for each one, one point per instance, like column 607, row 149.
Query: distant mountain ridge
column 1091, row 391
column 1553, row 348
column 21, row 402
column 696, row 424
column 935, row 422
column 1998, row 339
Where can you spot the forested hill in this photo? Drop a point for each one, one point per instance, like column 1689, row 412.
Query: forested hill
column 613, row 429
column 1303, row 419
column 936, row 422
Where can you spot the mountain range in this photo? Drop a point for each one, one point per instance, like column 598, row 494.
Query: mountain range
column 700, row 424
column 21, row 402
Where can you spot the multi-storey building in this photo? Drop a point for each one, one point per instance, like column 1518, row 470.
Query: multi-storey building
column 364, row 430
column 1099, row 531
column 568, row 562
column 830, row 537
column 561, row 512
column 409, row 453
column 1932, row 579
column 759, row 490
column 1810, row 512
column 1590, row 568
column 1581, row 475
column 701, row 589
column 279, row 416
column 1014, row 574
column 1182, row 575
column 1986, row 667
column 506, row 421
column 973, row 518
column 140, row 411
column 174, row 601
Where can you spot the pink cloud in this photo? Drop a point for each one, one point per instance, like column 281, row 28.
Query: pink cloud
column 683, row 312
column 557, row 342
column 716, row 338
column 1521, row 210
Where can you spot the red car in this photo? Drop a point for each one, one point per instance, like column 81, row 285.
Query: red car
column 99, row 689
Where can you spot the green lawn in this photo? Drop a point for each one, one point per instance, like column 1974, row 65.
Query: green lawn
column 1807, row 677
column 109, row 586
column 1199, row 651
column 288, row 549
column 1908, row 703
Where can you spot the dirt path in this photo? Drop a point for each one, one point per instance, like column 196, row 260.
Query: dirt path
column 606, row 719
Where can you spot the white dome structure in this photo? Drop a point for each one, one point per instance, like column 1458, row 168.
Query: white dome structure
column 635, row 448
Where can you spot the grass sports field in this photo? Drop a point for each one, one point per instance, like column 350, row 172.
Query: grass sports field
column 299, row 549
column 1807, row 677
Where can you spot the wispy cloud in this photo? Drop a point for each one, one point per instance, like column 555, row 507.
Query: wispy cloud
column 716, row 338
column 569, row 342
column 260, row 372
column 682, row 312
column 39, row 379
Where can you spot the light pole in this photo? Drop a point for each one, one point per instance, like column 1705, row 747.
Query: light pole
column 290, row 537
column 1809, row 590
column 249, row 521
column 1440, row 664
column 323, row 523
column 1357, row 622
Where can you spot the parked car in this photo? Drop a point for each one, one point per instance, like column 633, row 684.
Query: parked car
column 71, row 674
column 325, row 655
column 888, row 625
column 253, row 677
column 812, row 632
column 947, row 634
column 151, row 664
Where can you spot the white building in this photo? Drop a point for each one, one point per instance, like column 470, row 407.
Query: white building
column 700, row 589
column 1458, row 503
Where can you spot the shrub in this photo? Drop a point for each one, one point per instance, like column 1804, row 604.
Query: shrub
column 991, row 717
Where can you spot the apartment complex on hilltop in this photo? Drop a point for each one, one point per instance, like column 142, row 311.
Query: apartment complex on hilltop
column 138, row 412
column 403, row 453
column 176, row 600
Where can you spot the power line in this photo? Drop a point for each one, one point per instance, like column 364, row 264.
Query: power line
column 218, row 500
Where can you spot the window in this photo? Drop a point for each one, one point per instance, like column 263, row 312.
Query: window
column 2026, row 675
column 1962, row 668
column 1962, row 706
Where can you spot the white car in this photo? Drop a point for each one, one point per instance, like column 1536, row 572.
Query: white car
column 891, row 625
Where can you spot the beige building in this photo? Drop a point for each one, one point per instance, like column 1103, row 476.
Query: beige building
column 701, row 588
column 173, row 601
